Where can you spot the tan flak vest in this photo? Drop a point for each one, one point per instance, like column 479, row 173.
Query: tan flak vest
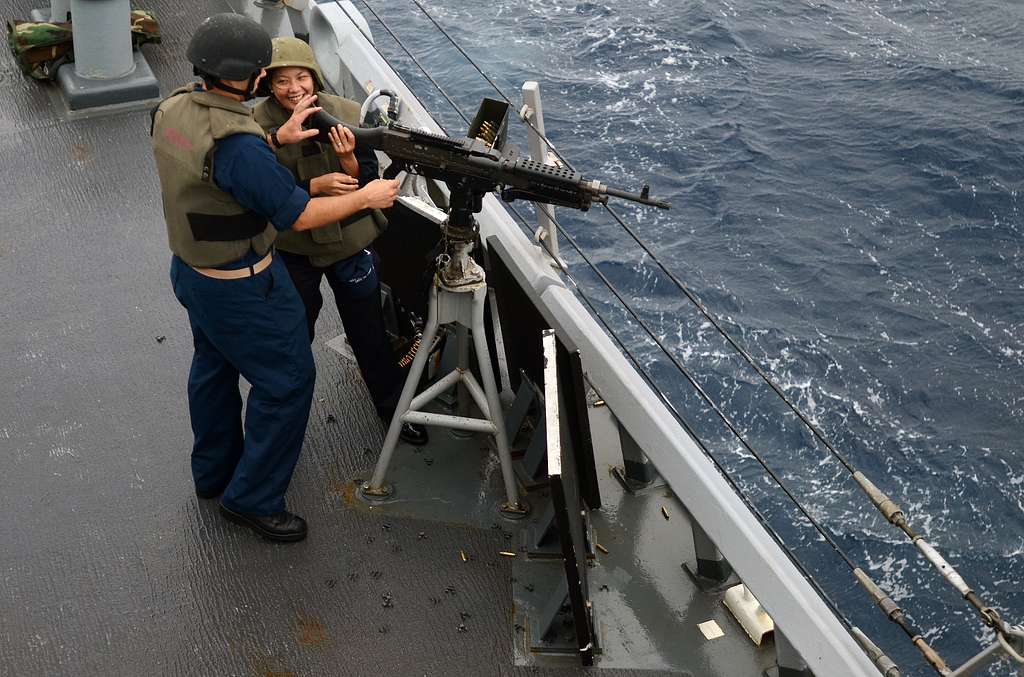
column 309, row 159
column 205, row 226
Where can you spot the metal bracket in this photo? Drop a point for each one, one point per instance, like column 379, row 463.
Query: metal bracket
column 788, row 662
column 711, row 572
column 541, row 539
column 636, row 474
column 527, row 432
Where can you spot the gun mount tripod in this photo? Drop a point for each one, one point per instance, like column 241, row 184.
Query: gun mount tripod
column 457, row 296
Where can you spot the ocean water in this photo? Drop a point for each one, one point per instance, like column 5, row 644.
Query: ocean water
column 845, row 178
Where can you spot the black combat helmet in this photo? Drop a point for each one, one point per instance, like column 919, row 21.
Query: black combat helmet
column 229, row 46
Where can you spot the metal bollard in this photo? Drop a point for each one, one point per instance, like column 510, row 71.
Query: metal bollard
column 103, row 38
column 106, row 70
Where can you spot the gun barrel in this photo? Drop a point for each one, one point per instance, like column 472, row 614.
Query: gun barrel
column 642, row 198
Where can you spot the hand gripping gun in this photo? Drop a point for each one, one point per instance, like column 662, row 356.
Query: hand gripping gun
column 474, row 166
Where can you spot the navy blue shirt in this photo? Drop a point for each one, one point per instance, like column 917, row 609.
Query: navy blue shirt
column 245, row 168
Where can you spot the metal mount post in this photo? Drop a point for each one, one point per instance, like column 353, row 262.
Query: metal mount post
column 458, row 296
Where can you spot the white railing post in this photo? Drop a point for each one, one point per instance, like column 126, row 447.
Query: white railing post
column 533, row 113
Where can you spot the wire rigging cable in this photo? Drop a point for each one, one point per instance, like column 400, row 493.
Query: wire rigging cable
column 892, row 512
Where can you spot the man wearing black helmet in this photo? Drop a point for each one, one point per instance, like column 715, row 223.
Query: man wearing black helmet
column 225, row 197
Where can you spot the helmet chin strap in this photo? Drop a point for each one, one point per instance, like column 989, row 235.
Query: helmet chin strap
column 246, row 94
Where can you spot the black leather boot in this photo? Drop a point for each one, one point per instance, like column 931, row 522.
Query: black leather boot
column 283, row 527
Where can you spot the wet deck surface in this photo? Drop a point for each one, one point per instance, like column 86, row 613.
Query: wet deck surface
column 109, row 564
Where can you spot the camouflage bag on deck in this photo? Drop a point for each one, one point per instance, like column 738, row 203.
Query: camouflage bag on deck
column 40, row 48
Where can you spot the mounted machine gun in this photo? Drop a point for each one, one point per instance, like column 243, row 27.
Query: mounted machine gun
column 471, row 167
column 482, row 161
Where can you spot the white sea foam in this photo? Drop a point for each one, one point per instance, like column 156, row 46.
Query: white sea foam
column 891, row 579
column 1014, row 552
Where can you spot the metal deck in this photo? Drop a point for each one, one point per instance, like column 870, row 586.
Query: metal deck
column 109, row 563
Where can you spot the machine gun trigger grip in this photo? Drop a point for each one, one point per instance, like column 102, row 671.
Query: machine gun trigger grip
column 394, row 169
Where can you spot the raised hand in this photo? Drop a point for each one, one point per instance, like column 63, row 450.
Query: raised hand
column 292, row 131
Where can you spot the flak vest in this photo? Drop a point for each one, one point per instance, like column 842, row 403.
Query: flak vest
column 205, row 225
column 307, row 160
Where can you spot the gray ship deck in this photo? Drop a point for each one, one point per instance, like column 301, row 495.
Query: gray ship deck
column 109, row 563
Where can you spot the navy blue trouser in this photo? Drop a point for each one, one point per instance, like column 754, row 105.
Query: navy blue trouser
column 356, row 288
column 254, row 327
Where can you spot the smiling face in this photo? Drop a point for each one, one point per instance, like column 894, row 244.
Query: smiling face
column 290, row 84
